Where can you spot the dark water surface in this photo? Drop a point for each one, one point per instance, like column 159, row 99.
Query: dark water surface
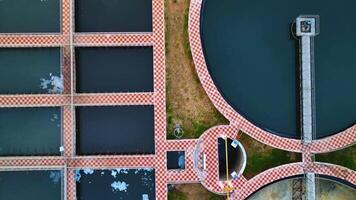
column 115, row 184
column 30, row 70
column 31, row 185
column 115, row 130
column 30, row 131
column 175, row 160
column 30, row 16
column 234, row 158
column 121, row 69
column 113, row 15
column 252, row 59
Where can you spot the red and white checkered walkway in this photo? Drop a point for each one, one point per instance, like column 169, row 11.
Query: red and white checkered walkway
column 67, row 40
column 237, row 122
column 207, row 143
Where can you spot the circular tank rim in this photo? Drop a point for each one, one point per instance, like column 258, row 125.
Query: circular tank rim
column 320, row 176
column 341, row 139
column 244, row 157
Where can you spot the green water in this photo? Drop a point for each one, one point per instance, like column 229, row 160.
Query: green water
column 25, row 70
column 252, row 59
column 30, row 131
column 30, row 16
column 31, row 185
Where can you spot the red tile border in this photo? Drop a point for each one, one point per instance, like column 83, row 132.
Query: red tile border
column 31, row 40
column 209, row 177
column 33, row 100
column 112, row 39
column 289, row 170
column 114, row 99
column 331, row 143
column 207, row 143
column 69, row 99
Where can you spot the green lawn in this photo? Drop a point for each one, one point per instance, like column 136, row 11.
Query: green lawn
column 344, row 157
column 178, row 195
column 261, row 157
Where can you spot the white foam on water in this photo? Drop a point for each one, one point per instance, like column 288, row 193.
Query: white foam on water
column 53, row 85
column 77, row 175
column 118, row 171
column 122, row 171
column 88, row 171
column 145, row 197
column 54, row 118
column 55, row 176
column 113, row 173
column 119, row 186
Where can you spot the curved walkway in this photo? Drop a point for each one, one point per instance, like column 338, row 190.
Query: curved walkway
column 69, row 161
column 289, row 170
column 331, row 143
column 246, row 187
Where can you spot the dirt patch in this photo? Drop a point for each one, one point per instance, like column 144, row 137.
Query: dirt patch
column 194, row 192
column 187, row 102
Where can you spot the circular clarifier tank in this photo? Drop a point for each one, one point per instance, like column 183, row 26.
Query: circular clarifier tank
column 232, row 158
column 252, row 58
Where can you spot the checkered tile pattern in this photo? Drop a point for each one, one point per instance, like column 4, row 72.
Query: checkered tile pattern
column 114, row 39
column 66, row 69
column 335, row 142
column 210, row 178
column 206, row 144
column 67, row 17
column 33, row 100
column 38, row 162
column 115, row 99
column 244, row 187
column 69, row 99
column 70, row 192
column 289, row 170
column 19, row 40
column 68, row 135
column 216, row 97
column 188, row 175
column 98, row 162
column 159, row 98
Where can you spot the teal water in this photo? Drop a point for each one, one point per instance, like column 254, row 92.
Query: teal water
column 113, row 15
column 31, row 185
column 252, row 59
column 30, row 131
column 30, row 71
column 30, row 16
column 119, row 69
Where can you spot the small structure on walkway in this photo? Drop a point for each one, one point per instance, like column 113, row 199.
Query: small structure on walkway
column 307, row 27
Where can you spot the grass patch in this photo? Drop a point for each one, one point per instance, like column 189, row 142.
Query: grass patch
column 186, row 43
column 192, row 192
column 344, row 157
column 176, row 195
column 261, row 157
column 216, row 197
column 187, row 102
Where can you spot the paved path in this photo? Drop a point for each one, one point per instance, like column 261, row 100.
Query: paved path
column 206, row 144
